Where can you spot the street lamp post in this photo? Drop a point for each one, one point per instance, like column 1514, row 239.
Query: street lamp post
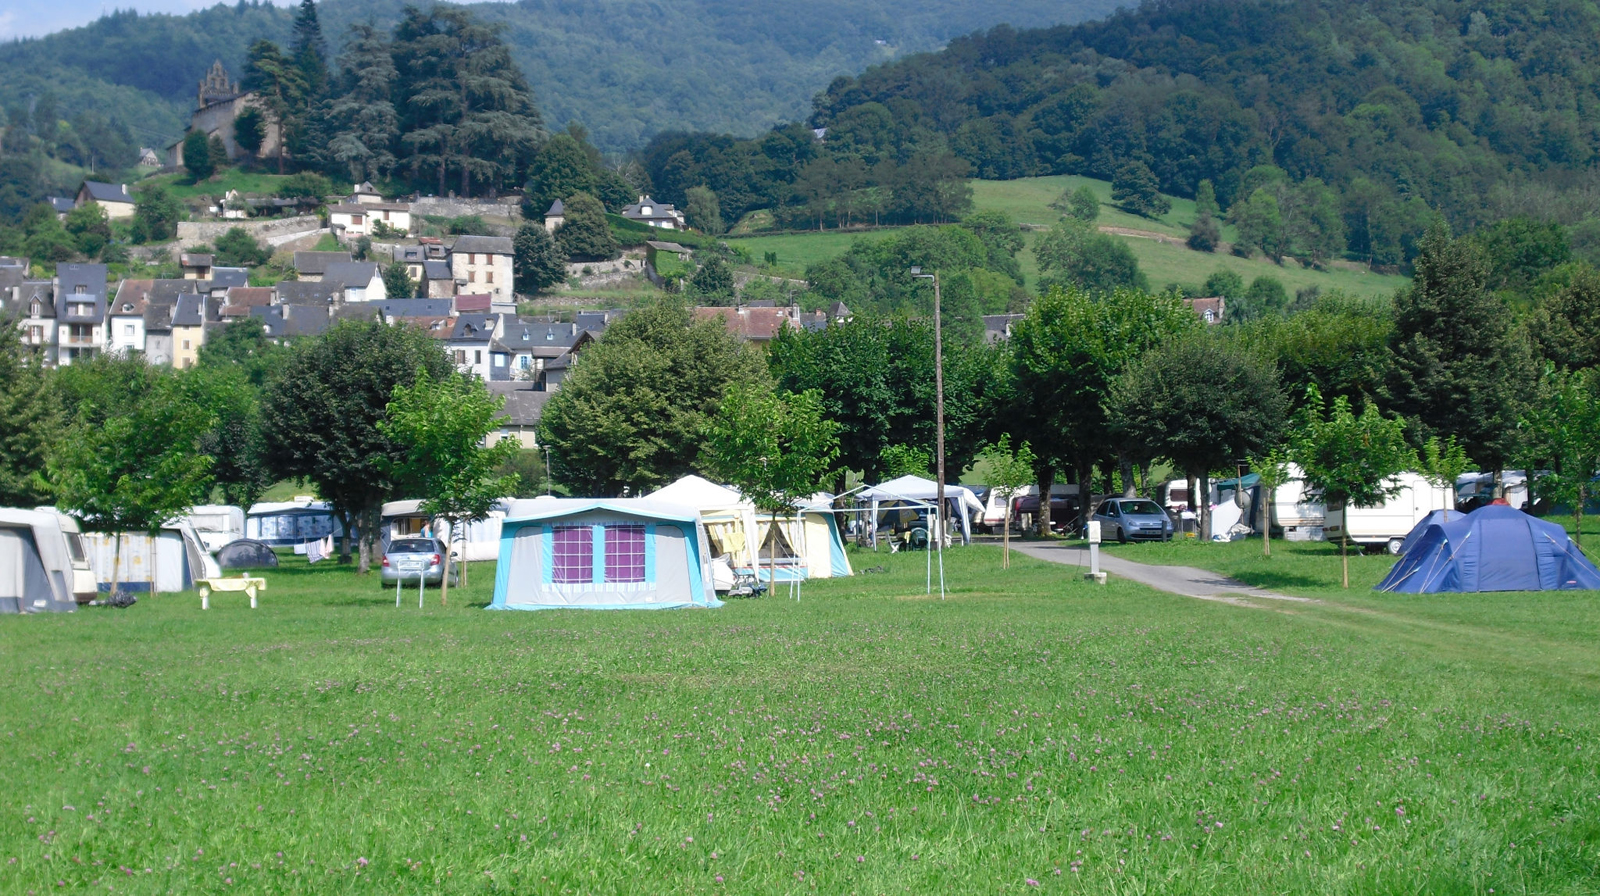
column 938, row 388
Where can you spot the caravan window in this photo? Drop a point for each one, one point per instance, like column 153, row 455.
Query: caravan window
column 625, row 553
column 75, row 548
column 572, row 555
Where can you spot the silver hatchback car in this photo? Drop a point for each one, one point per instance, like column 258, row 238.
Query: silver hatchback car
column 1133, row 519
column 407, row 558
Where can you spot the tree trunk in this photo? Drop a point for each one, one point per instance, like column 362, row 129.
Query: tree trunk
column 444, row 579
column 1041, row 525
column 1577, row 517
column 116, row 566
column 1190, row 483
column 1205, row 506
column 1344, row 556
column 1005, row 536
column 1266, row 520
column 344, row 538
column 1125, row 470
column 364, row 542
column 1085, row 495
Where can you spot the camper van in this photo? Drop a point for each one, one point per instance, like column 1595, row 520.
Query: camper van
column 83, row 581
column 1386, row 525
column 1473, row 490
column 1300, row 517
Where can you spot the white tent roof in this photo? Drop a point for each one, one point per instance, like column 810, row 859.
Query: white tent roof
column 701, row 493
column 916, row 488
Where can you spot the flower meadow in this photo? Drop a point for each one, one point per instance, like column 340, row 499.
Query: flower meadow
column 1032, row 733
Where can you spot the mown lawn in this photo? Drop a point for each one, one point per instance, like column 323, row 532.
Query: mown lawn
column 797, row 250
column 1029, row 729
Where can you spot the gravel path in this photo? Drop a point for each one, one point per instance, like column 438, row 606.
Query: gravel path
column 1185, row 580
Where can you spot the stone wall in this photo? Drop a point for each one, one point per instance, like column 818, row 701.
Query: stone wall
column 461, row 208
column 196, row 233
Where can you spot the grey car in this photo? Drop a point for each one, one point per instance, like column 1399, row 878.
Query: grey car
column 1133, row 519
column 407, row 558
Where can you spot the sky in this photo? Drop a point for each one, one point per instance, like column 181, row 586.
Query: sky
column 32, row 18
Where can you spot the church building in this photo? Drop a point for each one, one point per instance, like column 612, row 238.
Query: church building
column 220, row 103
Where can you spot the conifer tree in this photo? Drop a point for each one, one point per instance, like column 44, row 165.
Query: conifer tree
column 363, row 120
column 1459, row 365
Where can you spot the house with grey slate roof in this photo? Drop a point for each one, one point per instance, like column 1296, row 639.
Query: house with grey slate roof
column 363, row 280
column 483, row 264
column 311, row 265
column 114, row 198
column 81, row 308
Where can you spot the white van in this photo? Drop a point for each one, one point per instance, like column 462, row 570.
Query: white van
column 1388, row 524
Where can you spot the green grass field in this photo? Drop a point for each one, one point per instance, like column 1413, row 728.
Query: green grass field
column 1030, row 732
column 1164, row 258
column 797, row 250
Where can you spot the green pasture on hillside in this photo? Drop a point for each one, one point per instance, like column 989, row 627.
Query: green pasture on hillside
column 1032, row 733
column 797, row 250
column 1162, row 256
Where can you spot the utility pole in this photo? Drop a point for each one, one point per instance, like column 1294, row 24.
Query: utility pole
column 938, row 388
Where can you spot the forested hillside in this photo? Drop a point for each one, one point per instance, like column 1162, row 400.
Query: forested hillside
column 1318, row 123
column 625, row 68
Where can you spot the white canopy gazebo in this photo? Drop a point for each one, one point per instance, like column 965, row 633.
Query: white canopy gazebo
column 729, row 517
column 915, row 491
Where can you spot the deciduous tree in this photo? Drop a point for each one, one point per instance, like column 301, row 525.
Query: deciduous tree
column 585, row 235
column 1351, row 460
column 324, row 407
column 443, row 425
column 537, row 261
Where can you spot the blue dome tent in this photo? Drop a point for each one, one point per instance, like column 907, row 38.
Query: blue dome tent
column 1434, row 516
column 1493, row 548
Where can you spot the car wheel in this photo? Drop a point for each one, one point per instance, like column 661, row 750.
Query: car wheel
column 1395, row 544
column 1122, row 536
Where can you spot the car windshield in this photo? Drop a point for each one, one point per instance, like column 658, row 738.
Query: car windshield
column 413, row 546
column 1140, row 508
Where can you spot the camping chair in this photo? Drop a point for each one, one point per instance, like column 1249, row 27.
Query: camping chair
column 746, row 584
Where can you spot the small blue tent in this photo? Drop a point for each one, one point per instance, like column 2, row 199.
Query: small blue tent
column 1493, row 548
column 602, row 554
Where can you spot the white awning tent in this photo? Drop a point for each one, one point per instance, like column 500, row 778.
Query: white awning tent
column 285, row 523
column 807, row 542
column 728, row 516
column 911, row 492
column 35, row 567
column 173, row 562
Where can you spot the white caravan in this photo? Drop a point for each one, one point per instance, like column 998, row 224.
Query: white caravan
column 1388, row 524
column 1301, row 517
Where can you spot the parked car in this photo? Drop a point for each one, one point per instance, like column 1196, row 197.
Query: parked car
column 1063, row 511
column 406, row 558
column 1133, row 519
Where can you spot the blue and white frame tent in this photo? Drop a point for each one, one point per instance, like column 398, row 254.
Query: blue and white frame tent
column 602, row 554
column 1493, row 548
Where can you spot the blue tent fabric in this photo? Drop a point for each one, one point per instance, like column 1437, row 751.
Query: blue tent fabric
column 1434, row 516
column 1493, row 548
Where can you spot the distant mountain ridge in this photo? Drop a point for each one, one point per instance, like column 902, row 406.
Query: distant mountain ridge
column 627, row 69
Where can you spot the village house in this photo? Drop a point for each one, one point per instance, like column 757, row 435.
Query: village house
column 519, row 416
column 362, row 218
column 311, row 265
column 158, row 334
column 472, row 345
column 308, row 292
column 31, row 303
column 125, row 327
column 483, row 264
column 556, row 216
column 188, row 330
column 113, row 198
column 1209, row 310
column 760, row 321
column 195, row 266
column 655, row 214
column 80, row 311
column 240, row 300
column 438, row 280
column 362, row 280
column 366, row 194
